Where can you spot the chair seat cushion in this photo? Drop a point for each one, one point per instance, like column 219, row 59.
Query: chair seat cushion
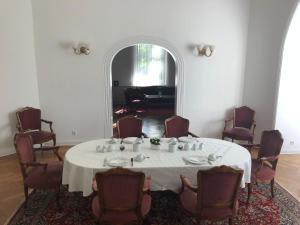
column 39, row 178
column 238, row 133
column 261, row 174
column 146, row 187
column 188, row 201
column 121, row 217
column 39, row 137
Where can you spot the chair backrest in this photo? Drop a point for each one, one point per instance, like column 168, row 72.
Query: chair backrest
column 243, row 117
column 24, row 148
column 120, row 190
column 28, row 118
column 218, row 187
column 129, row 126
column 270, row 145
column 176, row 126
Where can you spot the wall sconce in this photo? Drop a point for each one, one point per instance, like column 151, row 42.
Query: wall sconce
column 82, row 48
column 204, row 50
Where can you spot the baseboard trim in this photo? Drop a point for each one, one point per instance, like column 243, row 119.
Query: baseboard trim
column 7, row 151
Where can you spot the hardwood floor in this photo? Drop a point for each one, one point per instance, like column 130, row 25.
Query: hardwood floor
column 11, row 186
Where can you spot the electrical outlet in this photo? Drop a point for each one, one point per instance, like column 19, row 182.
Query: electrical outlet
column 292, row 142
column 74, row 132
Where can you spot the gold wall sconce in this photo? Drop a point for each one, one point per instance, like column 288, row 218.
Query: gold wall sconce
column 82, row 48
column 204, row 50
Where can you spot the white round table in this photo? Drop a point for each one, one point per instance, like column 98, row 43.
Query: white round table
column 82, row 162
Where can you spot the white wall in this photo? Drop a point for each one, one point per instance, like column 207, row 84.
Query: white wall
column 288, row 107
column 18, row 81
column 71, row 87
column 269, row 21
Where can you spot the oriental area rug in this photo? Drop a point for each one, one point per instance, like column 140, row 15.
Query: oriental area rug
column 165, row 210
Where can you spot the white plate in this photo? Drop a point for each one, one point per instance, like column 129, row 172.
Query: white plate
column 117, row 161
column 187, row 139
column 196, row 159
column 129, row 140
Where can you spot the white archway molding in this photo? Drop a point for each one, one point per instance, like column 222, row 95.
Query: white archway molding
column 287, row 109
column 279, row 69
column 179, row 76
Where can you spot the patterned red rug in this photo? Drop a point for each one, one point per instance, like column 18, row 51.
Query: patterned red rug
column 284, row 209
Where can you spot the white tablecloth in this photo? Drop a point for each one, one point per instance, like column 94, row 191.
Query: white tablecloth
column 82, row 162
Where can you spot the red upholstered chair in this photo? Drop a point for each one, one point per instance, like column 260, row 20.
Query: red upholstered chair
column 177, row 126
column 243, row 125
column 29, row 121
column 215, row 197
column 37, row 175
column 120, row 198
column 264, row 167
column 130, row 126
column 146, row 187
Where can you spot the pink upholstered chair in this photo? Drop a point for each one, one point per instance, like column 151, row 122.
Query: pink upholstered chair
column 264, row 167
column 177, row 126
column 215, row 197
column 29, row 121
column 130, row 126
column 146, row 187
column 37, row 175
column 120, row 197
column 243, row 125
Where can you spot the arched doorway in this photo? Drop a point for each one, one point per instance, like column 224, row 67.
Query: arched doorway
column 143, row 85
column 288, row 105
column 179, row 75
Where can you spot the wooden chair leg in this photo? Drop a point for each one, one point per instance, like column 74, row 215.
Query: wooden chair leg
column 54, row 141
column 249, row 192
column 26, row 196
column 272, row 188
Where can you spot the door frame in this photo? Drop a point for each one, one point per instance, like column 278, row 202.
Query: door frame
column 179, row 75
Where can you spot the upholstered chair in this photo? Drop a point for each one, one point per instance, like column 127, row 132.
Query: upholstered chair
column 130, row 126
column 243, row 125
column 264, row 167
column 177, row 126
column 37, row 175
column 29, row 120
column 120, row 198
column 146, row 187
column 215, row 197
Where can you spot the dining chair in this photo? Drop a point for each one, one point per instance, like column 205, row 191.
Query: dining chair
column 177, row 126
column 29, row 120
column 37, row 175
column 130, row 126
column 264, row 167
column 216, row 195
column 120, row 198
column 146, row 187
column 243, row 125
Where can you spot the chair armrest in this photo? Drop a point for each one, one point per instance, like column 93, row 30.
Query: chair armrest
column 186, row 183
column 35, row 164
column 51, row 148
column 250, row 146
column 193, row 135
column 270, row 158
column 266, row 161
column 226, row 122
column 48, row 122
column 253, row 126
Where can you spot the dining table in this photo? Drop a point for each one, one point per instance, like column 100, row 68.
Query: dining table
column 165, row 166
